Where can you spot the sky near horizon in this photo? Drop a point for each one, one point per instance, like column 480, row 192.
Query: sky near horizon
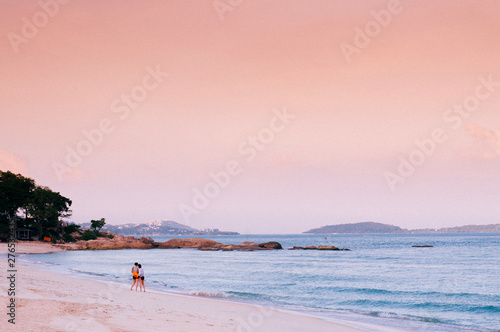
column 256, row 116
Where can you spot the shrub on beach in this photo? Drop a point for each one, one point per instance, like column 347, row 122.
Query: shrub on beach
column 88, row 235
column 71, row 228
column 68, row 238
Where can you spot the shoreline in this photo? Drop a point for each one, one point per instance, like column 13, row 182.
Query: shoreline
column 260, row 309
column 55, row 301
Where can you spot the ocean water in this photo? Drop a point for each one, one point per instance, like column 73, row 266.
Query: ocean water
column 454, row 286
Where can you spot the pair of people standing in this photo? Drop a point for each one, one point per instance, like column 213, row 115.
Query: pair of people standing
column 138, row 276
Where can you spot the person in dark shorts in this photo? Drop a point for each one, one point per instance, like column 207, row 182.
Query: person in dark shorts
column 135, row 275
column 141, row 279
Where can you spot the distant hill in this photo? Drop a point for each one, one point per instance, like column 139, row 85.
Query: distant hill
column 492, row 228
column 357, row 228
column 159, row 227
column 379, row 228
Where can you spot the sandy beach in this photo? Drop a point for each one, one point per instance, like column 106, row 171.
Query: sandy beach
column 47, row 301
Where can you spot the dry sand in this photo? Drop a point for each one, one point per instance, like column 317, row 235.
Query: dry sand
column 48, row 301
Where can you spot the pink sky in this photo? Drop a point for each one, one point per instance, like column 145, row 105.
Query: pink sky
column 352, row 120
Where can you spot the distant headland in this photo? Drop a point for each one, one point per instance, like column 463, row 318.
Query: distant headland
column 159, row 227
column 379, row 228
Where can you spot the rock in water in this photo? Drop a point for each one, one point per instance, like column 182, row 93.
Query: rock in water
column 327, row 248
column 271, row 245
column 318, row 248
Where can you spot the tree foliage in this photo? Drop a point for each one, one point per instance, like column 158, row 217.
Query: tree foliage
column 15, row 192
column 43, row 208
column 96, row 225
column 46, row 208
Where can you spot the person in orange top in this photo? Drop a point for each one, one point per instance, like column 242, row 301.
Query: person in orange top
column 135, row 275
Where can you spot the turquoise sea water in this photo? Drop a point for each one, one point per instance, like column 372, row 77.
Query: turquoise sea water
column 454, row 286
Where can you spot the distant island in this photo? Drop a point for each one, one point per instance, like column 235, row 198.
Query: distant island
column 379, row 228
column 159, row 227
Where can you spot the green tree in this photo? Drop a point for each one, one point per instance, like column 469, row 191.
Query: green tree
column 15, row 193
column 96, row 225
column 45, row 210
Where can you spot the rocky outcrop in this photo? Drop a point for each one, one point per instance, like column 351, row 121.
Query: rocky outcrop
column 209, row 245
column 189, row 243
column 251, row 246
column 129, row 242
column 117, row 242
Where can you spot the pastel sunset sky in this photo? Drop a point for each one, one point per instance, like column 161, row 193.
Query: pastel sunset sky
column 356, row 84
